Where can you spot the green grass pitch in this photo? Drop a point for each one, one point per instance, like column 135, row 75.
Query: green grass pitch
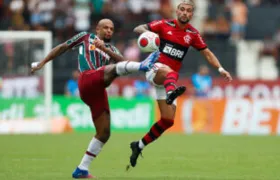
column 173, row 156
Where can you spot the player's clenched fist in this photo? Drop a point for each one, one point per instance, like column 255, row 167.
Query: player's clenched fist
column 99, row 44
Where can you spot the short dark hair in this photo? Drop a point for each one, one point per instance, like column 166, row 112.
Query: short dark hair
column 188, row 2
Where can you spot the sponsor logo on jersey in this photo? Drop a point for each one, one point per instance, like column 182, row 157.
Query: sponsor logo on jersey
column 173, row 51
column 169, row 32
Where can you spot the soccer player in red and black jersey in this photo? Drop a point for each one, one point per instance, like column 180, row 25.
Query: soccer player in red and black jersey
column 176, row 36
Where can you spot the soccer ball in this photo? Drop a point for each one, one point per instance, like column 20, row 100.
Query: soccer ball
column 148, row 42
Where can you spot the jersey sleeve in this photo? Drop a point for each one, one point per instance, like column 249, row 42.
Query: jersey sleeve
column 115, row 50
column 155, row 26
column 198, row 43
column 77, row 40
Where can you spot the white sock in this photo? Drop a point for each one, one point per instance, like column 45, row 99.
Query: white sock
column 93, row 150
column 127, row 67
column 141, row 144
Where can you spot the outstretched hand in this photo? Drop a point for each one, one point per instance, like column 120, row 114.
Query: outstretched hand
column 226, row 75
column 35, row 66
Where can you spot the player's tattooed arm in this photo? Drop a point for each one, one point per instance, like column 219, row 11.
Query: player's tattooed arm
column 141, row 28
column 55, row 52
column 115, row 56
column 213, row 60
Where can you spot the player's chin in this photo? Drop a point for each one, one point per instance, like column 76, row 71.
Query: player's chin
column 106, row 39
column 184, row 21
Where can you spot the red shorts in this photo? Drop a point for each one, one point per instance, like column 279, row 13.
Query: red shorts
column 93, row 91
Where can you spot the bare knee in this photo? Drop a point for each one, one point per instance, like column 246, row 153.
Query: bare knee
column 109, row 74
column 161, row 74
column 103, row 135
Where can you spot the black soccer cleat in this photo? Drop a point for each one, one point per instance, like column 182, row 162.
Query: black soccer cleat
column 171, row 96
column 136, row 151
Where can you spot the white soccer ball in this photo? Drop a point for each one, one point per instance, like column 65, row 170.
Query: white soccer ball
column 148, row 41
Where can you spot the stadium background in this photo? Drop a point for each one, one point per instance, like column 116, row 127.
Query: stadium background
column 248, row 106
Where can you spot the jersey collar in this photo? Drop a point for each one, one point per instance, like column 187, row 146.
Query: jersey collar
column 177, row 26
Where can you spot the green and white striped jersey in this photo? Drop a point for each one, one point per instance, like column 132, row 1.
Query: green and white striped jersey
column 90, row 57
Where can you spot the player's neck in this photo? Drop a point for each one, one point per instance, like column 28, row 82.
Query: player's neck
column 181, row 25
column 103, row 39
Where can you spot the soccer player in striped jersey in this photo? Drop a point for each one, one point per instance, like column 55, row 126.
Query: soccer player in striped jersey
column 97, row 72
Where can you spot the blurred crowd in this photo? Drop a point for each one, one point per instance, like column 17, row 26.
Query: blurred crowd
column 67, row 17
column 228, row 18
column 223, row 20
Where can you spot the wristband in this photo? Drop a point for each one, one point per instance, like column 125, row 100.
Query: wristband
column 34, row 64
column 221, row 69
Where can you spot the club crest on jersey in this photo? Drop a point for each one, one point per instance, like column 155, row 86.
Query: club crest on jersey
column 91, row 41
column 92, row 47
column 187, row 39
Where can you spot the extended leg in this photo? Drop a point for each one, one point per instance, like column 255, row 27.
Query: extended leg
column 127, row 67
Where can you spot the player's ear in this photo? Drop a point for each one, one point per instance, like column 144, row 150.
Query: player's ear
column 97, row 29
